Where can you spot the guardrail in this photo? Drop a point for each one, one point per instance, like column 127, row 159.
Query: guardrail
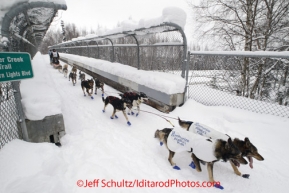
column 158, row 99
column 159, row 48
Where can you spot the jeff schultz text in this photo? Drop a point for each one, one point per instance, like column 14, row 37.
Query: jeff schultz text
column 143, row 183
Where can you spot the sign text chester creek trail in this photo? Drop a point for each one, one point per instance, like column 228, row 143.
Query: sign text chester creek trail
column 15, row 66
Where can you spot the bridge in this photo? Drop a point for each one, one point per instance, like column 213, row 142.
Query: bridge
column 211, row 78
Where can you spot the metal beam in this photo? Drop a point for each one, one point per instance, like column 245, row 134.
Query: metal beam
column 23, row 33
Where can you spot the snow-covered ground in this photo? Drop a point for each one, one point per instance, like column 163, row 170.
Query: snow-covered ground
column 96, row 148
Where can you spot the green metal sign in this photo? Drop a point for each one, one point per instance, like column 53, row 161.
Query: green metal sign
column 15, row 66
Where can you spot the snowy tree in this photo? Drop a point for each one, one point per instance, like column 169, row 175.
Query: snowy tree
column 72, row 31
column 243, row 25
column 248, row 25
column 53, row 37
column 63, row 31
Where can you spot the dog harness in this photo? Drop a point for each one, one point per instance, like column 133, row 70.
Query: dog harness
column 207, row 131
column 180, row 140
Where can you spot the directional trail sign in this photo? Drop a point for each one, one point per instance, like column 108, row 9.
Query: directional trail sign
column 15, row 66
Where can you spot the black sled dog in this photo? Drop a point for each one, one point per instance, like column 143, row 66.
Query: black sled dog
column 136, row 99
column 118, row 105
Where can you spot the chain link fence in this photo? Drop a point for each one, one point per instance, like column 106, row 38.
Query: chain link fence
column 158, row 48
column 9, row 117
column 256, row 82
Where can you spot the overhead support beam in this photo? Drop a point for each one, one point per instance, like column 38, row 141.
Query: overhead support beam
column 29, row 22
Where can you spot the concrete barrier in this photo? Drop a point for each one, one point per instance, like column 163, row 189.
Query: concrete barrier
column 49, row 129
column 162, row 101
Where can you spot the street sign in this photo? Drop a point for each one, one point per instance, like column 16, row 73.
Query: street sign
column 15, row 66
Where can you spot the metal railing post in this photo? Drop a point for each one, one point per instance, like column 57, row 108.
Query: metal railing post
column 88, row 50
column 112, row 47
column 17, row 94
column 186, row 93
column 138, row 53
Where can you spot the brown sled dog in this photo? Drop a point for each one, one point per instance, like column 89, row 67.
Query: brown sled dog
column 88, row 86
column 222, row 150
column 245, row 146
column 74, row 70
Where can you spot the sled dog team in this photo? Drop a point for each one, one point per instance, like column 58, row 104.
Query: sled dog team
column 205, row 144
column 127, row 100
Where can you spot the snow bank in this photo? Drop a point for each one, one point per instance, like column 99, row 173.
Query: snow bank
column 38, row 164
column 170, row 14
column 39, row 98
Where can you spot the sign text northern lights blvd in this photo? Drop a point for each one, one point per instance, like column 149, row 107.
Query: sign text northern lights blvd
column 15, row 66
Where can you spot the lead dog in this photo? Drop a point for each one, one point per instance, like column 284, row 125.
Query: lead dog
column 88, row 86
column 136, row 99
column 245, row 146
column 207, row 150
column 118, row 105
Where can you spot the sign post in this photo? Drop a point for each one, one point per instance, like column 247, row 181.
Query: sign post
column 15, row 66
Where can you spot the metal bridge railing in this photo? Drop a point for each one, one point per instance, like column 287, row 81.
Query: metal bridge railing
column 157, row 48
column 252, row 81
